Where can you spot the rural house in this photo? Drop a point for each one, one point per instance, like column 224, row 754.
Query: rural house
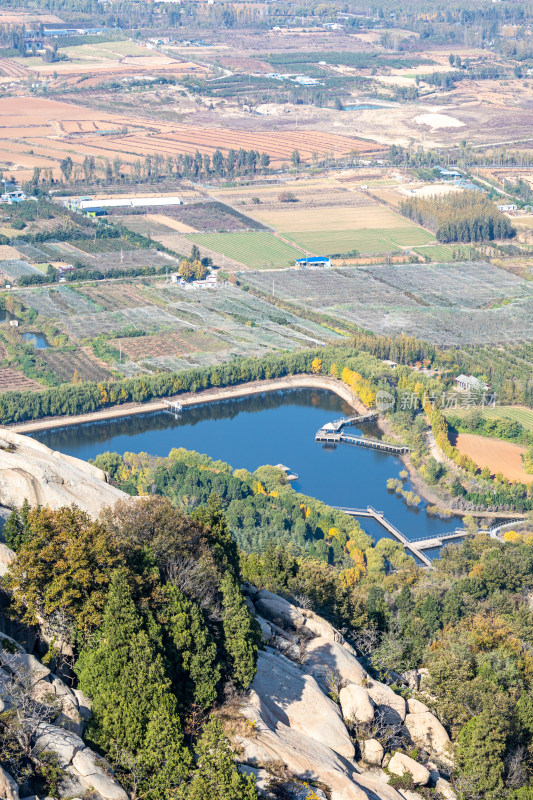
column 468, row 383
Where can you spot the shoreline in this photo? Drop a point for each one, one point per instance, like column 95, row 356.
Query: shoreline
column 190, row 399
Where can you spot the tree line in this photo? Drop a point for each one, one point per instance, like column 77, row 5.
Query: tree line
column 459, row 217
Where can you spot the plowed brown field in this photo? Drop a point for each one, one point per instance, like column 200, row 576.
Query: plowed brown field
column 41, row 132
column 498, row 456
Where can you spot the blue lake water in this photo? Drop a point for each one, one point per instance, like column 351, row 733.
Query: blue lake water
column 36, row 339
column 272, row 428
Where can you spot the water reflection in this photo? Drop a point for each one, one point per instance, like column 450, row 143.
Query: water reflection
column 271, row 428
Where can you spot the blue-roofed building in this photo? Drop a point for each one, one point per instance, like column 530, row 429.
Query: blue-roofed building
column 313, row 261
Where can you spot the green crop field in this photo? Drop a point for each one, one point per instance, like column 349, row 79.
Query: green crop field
column 366, row 240
column 444, row 252
column 519, row 414
column 259, row 250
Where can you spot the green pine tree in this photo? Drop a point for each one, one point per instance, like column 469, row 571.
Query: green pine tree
column 190, row 650
column 241, row 633
column 217, row 777
column 124, row 675
column 480, row 752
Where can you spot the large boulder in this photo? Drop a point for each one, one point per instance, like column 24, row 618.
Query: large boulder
column 309, row 760
column 320, row 627
column 400, row 764
column 278, row 610
column 29, row 469
column 6, row 557
column 8, row 787
column 426, row 730
column 356, row 704
column 372, row 752
column 444, row 788
column 93, row 776
column 390, row 704
column 64, row 744
column 324, row 657
column 286, row 694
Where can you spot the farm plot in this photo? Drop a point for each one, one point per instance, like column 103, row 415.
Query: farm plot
column 442, row 303
column 210, row 217
column 144, row 224
column 444, row 252
column 79, row 363
column 14, row 268
column 259, row 250
column 11, row 380
column 328, row 230
column 171, row 344
column 58, row 302
column 495, row 454
column 520, row 414
column 33, row 253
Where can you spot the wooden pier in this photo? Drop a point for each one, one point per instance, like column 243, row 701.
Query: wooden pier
column 173, row 407
column 335, row 437
column 357, row 419
column 371, row 512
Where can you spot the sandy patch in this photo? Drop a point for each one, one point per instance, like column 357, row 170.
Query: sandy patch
column 498, row 456
column 175, row 224
column 436, row 121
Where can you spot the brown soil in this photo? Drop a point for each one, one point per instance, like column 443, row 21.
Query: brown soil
column 498, row 456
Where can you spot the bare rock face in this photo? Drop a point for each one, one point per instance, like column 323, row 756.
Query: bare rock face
column 276, row 609
column 426, row 730
column 310, row 759
column 290, row 696
column 6, row 557
column 323, row 656
column 29, row 469
column 8, row 787
column 320, row 627
column 392, row 705
column 372, row 752
column 401, row 764
column 356, row 703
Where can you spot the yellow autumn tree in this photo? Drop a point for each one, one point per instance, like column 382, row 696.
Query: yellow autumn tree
column 316, row 366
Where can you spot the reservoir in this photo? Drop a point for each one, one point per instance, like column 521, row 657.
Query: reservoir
column 270, row 428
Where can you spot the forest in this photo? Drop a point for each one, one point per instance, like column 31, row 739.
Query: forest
column 148, row 601
column 468, row 216
column 261, row 508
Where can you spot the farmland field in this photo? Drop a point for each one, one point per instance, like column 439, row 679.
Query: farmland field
column 498, row 456
column 66, row 364
column 258, row 250
column 338, row 229
column 457, row 303
column 520, row 414
column 369, row 241
column 11, row 380
column 183, row 326
column 444, row 252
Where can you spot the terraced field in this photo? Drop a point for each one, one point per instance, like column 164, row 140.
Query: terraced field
column 258, row 250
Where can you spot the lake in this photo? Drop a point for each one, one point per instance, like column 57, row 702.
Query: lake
column 36, row 339
column 271, row 428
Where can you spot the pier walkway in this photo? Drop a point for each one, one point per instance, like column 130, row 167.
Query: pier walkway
column 371, row 512
column 334, row 437
column 357, row 419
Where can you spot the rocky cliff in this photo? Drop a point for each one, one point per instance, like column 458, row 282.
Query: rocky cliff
column 314, row 709
column 30, row 470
